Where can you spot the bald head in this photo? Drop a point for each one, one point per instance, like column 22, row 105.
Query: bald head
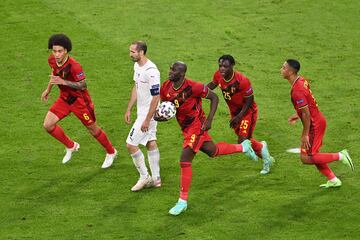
column 181, row 66
column 177, row 71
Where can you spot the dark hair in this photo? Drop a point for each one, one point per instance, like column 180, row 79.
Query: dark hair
column 60, row 40
column 227, row 58
column 294, row 64
column 140, row 46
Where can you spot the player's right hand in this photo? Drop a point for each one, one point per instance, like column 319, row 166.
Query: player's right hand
column 45, row 96
column 128, row 117
column 159, row 118
column 234, row 122
column 293, row 118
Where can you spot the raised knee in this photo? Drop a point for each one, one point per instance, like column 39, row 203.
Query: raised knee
column 305, row 159
column 48, row 127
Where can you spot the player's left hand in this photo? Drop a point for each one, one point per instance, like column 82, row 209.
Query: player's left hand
column 145, row 126
column 305, row 143
column 234, row 122
column 206, row 125
column 56, row 80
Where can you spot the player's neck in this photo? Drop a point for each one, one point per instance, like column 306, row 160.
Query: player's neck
column 293, row 78
column 228, row 78
column 63, row 61
column 178, row 84
column 142, row 61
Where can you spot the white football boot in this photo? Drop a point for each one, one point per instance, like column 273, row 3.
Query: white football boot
column 109, row 159
column 142, row 183
column 69, row 152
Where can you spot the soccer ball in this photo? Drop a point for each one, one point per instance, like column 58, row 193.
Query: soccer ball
column 166, row 110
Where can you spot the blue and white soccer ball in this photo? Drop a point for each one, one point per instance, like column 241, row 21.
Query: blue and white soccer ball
column 166, row 110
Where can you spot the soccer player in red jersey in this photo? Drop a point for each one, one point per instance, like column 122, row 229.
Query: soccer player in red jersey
column 314, row 125
column 74, row 97
column 239, row 96
column 186, row 96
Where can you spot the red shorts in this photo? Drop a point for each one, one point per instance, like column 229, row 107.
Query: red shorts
column 316, row 135
column 247, row 125
column 83, row 110
column 194, row 139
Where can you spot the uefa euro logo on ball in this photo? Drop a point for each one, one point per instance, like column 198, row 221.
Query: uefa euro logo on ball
column 166, row 110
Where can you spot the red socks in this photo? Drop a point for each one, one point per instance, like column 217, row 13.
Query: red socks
column 185, row 181
column 321, row 158
column 60, row 135
column 325, row 170
column 257, row 146
column 224, row 148
column 104, row 141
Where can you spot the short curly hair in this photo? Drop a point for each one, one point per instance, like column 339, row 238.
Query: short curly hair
column 228, row 58
column 60, row 40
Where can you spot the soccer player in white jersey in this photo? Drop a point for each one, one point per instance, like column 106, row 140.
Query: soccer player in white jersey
column 146, row 93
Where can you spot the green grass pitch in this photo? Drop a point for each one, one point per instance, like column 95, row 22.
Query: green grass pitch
column 42, row 199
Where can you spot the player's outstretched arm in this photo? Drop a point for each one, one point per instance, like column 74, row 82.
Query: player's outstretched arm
column 211, row 85
column 214, row 101
column 56, row 80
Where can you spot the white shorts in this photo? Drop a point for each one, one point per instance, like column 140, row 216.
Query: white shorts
column 136, row 136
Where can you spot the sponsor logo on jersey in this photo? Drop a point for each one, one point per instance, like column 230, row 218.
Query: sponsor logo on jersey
column 300, row 101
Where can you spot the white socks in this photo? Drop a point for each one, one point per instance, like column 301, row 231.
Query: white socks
column 139, row 162
column 154, row 160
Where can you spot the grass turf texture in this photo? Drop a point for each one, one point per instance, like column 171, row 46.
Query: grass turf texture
column 42, row 199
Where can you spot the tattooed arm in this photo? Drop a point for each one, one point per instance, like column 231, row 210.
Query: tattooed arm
column 56, row 80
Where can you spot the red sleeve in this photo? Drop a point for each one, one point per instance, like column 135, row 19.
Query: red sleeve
column 216, row 78
column 52, row 61
column 163, row 91
column 246, row 87
column 77, row 72
column 200, row 90
column 299, row 99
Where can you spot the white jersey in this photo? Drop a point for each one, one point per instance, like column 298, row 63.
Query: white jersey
column 147, row 80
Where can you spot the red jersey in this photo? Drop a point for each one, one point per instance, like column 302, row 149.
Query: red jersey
column 72, row 71
column 187, row 99
column 235, row 91
column 301, row 96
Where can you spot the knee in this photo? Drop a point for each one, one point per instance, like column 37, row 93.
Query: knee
column 131, row 148
column 48, row 126
column 93, row 129
column 152, row 145
column 305, row 159
column 211, row 153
